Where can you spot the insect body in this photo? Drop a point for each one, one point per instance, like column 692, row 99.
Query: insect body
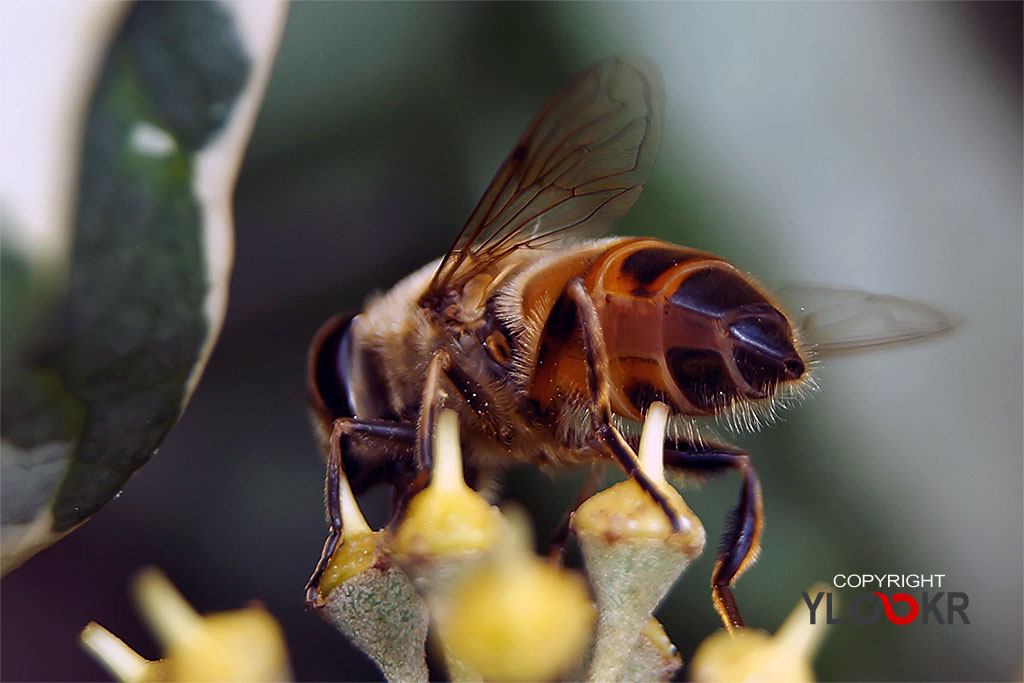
column 545, row 338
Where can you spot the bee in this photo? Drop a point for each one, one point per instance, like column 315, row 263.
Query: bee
column 551, row 341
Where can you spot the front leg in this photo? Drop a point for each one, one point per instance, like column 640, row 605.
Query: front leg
column 606, row 437
column 741, row 541
column 403, row 433
column 419, row 435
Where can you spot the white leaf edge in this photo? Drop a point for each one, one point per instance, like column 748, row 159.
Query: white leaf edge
column 43, row 127
column 260, row 25
column 50, row 53
column 22, row 540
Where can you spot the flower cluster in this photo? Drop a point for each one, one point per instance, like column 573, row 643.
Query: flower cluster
column 460, row 575
column 463, row 571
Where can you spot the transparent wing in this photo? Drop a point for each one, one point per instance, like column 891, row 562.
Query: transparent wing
column 575, row 171
column 833, row 320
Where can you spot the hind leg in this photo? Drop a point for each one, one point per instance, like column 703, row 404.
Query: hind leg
column 606, row 437
column 741, row 541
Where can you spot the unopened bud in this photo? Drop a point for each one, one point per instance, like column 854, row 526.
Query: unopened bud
column 240, row 645
column 754, row 655
column 517, row 616
column 446, row 526
column 632, row 553
column 370, row 600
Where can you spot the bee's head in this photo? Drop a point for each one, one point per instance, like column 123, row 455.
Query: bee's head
column 345, row 380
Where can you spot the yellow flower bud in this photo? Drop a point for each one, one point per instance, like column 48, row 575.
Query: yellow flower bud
column 241, row 645
column 632, row 553
column 446, row 522
column 447, row 517
column 754, row 655
column 356, row 553
column 625, row 513
column 524, row 620
column 359, row 547
column 373, row 602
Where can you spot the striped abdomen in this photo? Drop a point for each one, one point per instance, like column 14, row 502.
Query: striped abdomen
column 680, row 326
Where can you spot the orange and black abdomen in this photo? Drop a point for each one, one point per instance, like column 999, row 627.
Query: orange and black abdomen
column 681, row 326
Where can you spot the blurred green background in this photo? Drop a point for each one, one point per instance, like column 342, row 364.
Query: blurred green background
column 872, row 145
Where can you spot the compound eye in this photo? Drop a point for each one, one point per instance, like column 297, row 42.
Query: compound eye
column 329, row 369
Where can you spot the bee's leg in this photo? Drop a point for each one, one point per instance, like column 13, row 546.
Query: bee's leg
column 598, row 383
column 423, row 449
column 395, row 432
column 430, row 403
column 419, row 435
column 742, row 538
